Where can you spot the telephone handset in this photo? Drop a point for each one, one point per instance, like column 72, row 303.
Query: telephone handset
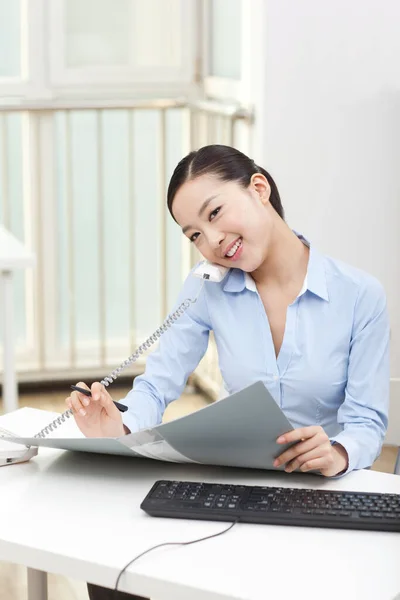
column 210, row 271
column 205, row 271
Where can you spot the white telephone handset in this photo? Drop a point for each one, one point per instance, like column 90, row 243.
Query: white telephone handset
column 210, row 271
column 206, row 271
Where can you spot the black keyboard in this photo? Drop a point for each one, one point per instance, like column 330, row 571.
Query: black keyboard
column 273, row 505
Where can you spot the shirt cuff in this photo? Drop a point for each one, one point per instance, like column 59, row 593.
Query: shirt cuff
column 130, row 421
column 351, row 447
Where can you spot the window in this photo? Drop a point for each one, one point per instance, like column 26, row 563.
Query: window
column 10, row 39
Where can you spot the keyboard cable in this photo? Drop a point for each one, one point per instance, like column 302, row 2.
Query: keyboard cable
column 208, row 537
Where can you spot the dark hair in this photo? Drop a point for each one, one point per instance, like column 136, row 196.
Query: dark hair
column 224, row 162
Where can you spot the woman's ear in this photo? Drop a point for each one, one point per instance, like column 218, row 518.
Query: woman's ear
column 260, row 185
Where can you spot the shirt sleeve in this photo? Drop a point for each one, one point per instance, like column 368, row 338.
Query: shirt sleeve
column 364, row 412
column 180, row 349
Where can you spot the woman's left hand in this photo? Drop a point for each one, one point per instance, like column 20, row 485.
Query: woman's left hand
column 313, row 452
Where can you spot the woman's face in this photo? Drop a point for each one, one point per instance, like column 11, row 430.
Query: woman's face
column 230, row 225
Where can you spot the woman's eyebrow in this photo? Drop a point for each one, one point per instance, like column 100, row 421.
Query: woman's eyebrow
column 201, row 211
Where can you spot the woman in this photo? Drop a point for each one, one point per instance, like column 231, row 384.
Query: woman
column 313, row 329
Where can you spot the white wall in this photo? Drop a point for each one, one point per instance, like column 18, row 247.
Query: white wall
column 328, row 104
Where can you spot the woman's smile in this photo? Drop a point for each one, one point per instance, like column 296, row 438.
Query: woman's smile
column 234, row 250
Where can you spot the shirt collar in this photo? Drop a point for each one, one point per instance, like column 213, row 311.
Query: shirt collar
column 315, row 280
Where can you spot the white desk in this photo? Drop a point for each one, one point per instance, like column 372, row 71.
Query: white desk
column 13, row 255
column 78, row 515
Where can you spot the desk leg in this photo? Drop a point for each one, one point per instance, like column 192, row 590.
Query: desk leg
column 37, row 585
column 10, row 393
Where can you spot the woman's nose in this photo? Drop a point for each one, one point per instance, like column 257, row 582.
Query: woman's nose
column 216, row 240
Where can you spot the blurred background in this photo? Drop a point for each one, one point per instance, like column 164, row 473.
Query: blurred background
column 99, row 100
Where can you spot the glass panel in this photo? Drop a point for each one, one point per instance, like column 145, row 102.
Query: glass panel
column 84, row 189
column 225, row 38
column 62, row 284
column 131, row 146
column 115, row 177
column 85, row 208
column 96, row 33
column 147, row 254
column 10, row 38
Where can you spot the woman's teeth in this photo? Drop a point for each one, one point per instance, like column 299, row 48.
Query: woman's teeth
column 234, row 248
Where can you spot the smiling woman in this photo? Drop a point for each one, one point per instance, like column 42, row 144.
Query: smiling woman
column 218, row 183
column 314, row 330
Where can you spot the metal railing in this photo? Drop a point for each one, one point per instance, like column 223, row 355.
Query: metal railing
column 41, row 200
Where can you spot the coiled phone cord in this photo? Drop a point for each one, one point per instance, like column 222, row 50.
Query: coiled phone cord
column 169, row 321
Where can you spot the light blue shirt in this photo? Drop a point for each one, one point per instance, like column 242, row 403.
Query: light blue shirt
column 332, row 369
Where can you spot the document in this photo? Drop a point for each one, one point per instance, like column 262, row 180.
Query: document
column 238, row 431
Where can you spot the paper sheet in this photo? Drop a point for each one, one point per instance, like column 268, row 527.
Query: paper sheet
column 239, row 430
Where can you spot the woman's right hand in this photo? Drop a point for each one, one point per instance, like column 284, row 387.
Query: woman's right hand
column 96, row 416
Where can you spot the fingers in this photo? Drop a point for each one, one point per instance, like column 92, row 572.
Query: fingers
column 303, row 461
column 100, row 394
column 78, row 402
column 297, row 435
column 318, row 464
column 302, row 447
column 83, row 385
column 97, row 389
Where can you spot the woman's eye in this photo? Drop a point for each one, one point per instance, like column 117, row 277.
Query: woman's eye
column 194, row 237
column 214, row 213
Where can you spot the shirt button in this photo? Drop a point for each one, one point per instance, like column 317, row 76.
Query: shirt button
column 275, row 377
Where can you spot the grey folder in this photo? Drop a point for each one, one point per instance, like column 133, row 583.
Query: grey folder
column 238, row 431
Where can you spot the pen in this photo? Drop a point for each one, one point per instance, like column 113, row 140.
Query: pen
column 121, row 407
